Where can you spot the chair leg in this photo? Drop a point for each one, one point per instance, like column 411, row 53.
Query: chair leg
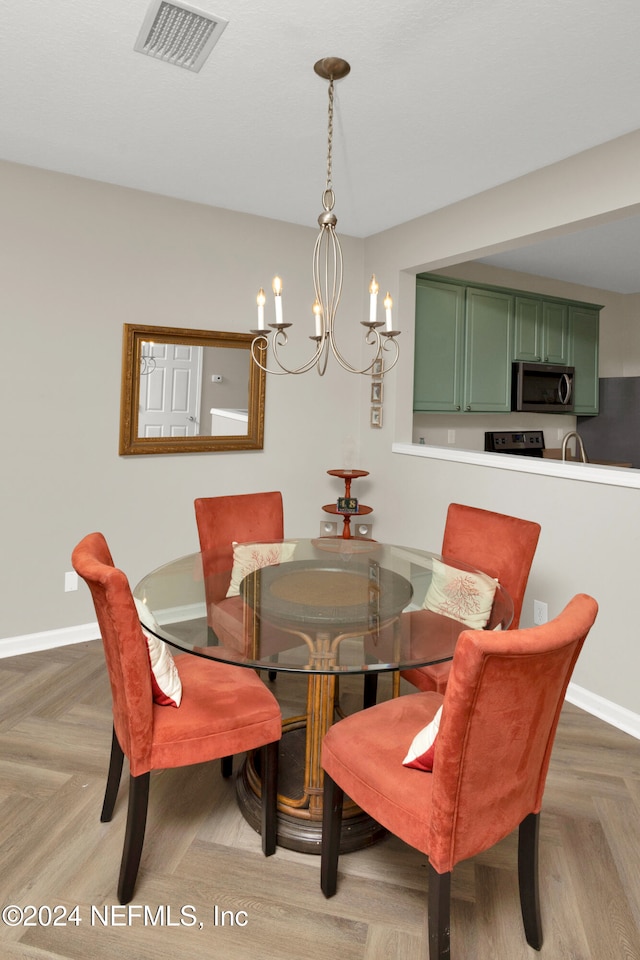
column 439, row 915
column 370, row 690
column 226, row 766
column 333, row 798
column 269, row 798
column 273, row 673
column 113, row 779
column 528, row 879
column 134, row 835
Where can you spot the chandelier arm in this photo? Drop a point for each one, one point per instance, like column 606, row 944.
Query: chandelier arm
column 275, row 340
column 332, row 277
column 373, row 338
column 322, row 362
column 388, row 343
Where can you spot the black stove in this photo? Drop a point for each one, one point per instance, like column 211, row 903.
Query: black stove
column 522, row 443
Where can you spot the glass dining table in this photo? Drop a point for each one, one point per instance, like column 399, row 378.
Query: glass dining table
column 322, row 609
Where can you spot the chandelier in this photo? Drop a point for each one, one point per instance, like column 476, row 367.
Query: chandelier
column 327, row 282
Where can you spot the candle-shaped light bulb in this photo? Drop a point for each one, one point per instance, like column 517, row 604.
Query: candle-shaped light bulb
column 388, row 303
column 261, row 300
column 373, row 299
column 277, row 290
column 317, row 312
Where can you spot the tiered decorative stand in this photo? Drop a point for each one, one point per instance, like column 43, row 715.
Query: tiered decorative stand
column 332, row 508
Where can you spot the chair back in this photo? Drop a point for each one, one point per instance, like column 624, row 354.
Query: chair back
column 125, row 648
column 499, row 719
column 495, row 543
column 241, row 518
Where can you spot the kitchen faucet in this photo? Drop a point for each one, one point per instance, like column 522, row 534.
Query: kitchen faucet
column 579, row 443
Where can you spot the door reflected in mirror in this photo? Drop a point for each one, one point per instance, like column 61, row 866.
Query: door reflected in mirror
column 185, row 391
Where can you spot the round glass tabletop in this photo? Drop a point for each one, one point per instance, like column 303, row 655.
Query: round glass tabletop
column 322, row 606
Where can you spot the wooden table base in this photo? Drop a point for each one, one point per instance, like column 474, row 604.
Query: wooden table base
column 298, row 828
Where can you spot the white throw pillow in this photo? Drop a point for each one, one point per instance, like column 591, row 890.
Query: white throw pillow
column 420, row 755
column 165, row 679
column 248, row 557
column 460, row 594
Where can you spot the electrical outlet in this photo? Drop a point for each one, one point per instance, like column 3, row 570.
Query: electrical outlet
column 328, row 528
column 451, row 436
column 70, row 581
column 540, row 612
column 364, row 530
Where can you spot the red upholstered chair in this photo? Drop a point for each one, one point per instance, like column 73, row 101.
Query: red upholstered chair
column 224, row 710
column 221, row 521
column 490, row 760
column 495, row 543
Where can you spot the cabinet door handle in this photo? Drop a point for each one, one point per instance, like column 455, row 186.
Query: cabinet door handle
column 458, row 407
column 467, row 407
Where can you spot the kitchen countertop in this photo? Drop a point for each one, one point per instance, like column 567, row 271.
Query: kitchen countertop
column 546, row 467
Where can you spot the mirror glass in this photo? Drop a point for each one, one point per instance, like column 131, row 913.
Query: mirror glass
column 186, row 391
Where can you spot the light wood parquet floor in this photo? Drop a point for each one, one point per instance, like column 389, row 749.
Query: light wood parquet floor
column 55, row 727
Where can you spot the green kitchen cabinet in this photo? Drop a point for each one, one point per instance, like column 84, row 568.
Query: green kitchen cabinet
column 584, row 326
column 439, row 358
column 467, row 336
column 541, row 330
column 555, row 332
column 462, row 348
column 487, row 367
column 527, row 334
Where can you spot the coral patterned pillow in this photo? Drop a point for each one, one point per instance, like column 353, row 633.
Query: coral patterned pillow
column 423, row 745
column 165, row 679
column 460, row 594
column 248, row 557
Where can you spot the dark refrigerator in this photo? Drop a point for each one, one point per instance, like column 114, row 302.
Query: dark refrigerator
column 615, row 433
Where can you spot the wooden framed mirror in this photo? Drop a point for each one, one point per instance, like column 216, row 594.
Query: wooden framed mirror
column 189, row 391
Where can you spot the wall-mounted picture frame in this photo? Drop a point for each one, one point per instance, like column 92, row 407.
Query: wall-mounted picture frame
column 378, row 369
column 376, row 416
column 376, row 391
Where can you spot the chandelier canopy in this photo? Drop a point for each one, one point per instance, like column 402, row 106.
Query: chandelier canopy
column 327, row 282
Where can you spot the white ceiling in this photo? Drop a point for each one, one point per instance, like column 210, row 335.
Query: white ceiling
column 446, row 98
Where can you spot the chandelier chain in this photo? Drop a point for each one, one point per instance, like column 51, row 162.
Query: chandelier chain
column 328, row 198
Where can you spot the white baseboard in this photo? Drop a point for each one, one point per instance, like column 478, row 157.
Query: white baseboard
column 606, row 710
column 619, row 717
column 48, row 639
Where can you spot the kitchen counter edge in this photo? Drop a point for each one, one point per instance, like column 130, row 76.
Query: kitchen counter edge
column 573, row 470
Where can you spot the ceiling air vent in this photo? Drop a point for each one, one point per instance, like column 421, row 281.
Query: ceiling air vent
column 179, row 34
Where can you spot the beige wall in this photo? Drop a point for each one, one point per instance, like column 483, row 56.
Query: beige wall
column 590, row 533
column 78, row 259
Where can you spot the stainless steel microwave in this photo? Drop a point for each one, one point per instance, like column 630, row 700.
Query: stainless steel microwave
column 542, row 388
